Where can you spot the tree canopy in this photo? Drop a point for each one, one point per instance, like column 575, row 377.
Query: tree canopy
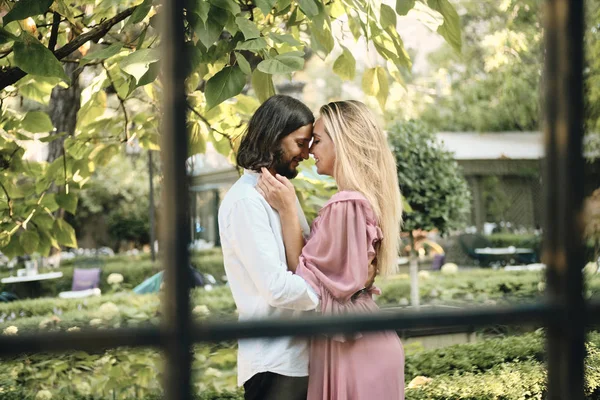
column 234, row 49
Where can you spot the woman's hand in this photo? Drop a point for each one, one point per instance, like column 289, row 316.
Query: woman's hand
column 278, row 191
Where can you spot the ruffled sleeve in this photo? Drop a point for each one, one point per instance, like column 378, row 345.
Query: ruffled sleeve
column 335, row 259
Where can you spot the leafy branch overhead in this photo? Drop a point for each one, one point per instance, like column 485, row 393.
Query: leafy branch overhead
column 235, row 53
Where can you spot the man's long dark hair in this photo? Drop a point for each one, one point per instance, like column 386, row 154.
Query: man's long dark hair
column 276, row 118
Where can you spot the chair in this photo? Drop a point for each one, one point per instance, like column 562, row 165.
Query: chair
column 85, row 283
column 471, row 241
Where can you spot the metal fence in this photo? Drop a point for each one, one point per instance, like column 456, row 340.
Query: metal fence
column 564, row 312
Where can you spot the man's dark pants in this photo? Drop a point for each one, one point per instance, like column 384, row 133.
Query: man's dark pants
column 271, row 386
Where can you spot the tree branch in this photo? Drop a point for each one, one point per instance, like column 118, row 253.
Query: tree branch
column 9, row 202
column 54, row 31
column 205, row 121
column 9, row 76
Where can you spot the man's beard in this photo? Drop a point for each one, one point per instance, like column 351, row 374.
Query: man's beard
column 283, row 167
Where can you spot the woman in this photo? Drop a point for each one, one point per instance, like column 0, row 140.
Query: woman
column 357, row 227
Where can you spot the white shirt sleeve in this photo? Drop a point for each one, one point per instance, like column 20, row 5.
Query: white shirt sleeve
column 255, row 244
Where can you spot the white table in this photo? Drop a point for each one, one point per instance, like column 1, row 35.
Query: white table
column 502, row 251
column 32, row 278
column 32, row 282
column 503, row 255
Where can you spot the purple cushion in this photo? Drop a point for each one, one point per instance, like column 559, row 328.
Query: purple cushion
column 85, row 278
column 438, row 261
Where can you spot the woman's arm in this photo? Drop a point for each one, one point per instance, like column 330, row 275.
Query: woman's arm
column 281, row 195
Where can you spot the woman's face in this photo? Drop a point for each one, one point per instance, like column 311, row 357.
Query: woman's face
column 322, row 149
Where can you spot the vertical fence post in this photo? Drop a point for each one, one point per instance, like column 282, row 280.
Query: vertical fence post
column 174, row 231
column 563, row 182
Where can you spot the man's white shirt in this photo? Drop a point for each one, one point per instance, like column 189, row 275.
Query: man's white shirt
column 262, row 287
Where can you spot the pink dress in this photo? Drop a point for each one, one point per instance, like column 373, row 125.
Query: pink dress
column 335, row 263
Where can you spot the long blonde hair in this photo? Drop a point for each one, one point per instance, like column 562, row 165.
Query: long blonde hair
column 365, row 163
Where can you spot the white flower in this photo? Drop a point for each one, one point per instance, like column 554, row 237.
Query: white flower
column 95, row 322
column 590, row 268
column 114, row 279
column 449, row 268
column 424, row 275
column 419, row 381
column 83, row 388
column 108, row 311
column 43, row 395
column 212, row 372
column 541, row 286
column 11, row 331
column 201, row 310
column 74, row 329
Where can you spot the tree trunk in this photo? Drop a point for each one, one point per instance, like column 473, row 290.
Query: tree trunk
column 414, row 274
column 64, row 105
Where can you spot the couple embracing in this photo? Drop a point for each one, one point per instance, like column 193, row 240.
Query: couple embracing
column 279, row 267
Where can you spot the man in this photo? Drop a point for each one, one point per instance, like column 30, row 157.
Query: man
column 278, row 138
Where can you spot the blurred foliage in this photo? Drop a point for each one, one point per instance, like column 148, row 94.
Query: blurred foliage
column 430, row 180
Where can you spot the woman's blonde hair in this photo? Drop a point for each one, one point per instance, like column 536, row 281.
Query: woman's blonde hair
column 365, row 163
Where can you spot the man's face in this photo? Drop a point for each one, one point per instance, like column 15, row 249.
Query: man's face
column 293, row 150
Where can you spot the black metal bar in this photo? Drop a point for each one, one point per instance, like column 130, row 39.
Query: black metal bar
column 175, row 233
column 87, row 341
column 152, row 210
column 311, row 326
column 407, row 321
column 563, row 181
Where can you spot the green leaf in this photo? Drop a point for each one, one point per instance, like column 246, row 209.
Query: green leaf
column 282, row 64
column 354, row 23
column 208, row 31
column 35, row 58
column 49, row 201
column 248, row 28
column 65, row 234
column 200, row 8
column 265, row 5
column 43, row 220
column 225, row 84
column 106, row 154
column 68, row 201
column 309, row 7
column 29, row 241
column 13, row 248
column 322, row 39
column 289, row 39
column 252, row 45
column 375, row 83
column 6, row 36
column 404, row 6
column 228, row 5
column 197, row 142
column 151, row 75
column 140, row 12
column 45, row 243
column 387, row 16
column 55, row 170
column 263, row 85
column 243, row 63
column 103, row 54
column 221, row 144
column 37, row 122
column 26, row 8
column 138, row 63
column 450, row 29
column 345, row 65
column 37, row 88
